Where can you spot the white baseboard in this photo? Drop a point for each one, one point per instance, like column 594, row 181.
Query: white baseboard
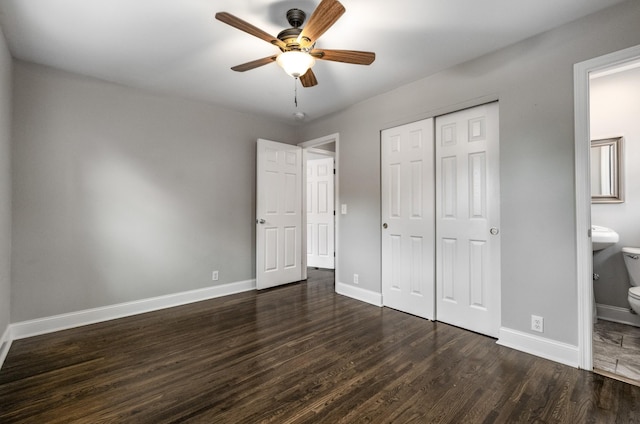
column 617, row 314
column 539, row 346
column 358, row 293
column 24, row 329
column 5, row 345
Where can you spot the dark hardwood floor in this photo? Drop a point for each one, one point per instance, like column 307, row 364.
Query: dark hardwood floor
column 294, row 354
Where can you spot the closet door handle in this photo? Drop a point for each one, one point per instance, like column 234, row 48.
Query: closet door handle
column 384, row 225
column 494, row 231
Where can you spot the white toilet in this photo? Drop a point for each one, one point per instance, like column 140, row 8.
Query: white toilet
column 632, row 262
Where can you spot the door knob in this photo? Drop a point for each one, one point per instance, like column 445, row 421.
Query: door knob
column 384, row 225
column 260, row 221
column 494, row 231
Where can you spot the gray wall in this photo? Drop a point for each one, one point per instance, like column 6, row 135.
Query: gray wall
column 5, row 184
column 533, row 80
column 615, row 108
column 122, row 195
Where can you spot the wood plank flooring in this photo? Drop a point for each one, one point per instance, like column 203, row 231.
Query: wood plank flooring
column 294, row 354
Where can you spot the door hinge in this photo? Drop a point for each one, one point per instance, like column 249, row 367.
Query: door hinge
column 334, row 171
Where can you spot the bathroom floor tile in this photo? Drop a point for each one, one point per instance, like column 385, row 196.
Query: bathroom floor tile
column 629, row 356
column 632, row 342
column 616, row 349
column 609, row 327
column 606, row 349
column 604, row 363
column 608, row 338
column 628, row 370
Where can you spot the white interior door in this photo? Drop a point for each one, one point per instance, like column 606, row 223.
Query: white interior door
column 468, row 219
column 320, row 213
column 408, row 231
column 278, row 214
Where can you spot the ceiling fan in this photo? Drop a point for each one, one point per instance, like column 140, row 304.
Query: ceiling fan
column 297, row 45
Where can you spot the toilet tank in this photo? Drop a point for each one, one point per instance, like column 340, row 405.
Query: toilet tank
column 632, row 262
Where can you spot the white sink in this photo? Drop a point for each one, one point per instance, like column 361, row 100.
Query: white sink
column 602, row 237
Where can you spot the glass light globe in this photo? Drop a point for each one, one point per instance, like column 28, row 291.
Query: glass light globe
column 295, row 63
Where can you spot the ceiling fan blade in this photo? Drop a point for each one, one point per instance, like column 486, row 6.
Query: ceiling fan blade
column 245, row 26
column 308, row 79
column 345, row 56
column 254, row 64
column 325, row 15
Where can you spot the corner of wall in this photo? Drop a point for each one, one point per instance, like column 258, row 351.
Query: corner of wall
column 5, row 345
column 6, row 98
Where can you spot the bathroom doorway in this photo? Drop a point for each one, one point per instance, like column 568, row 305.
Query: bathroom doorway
column 614, row 107
column 609, row 334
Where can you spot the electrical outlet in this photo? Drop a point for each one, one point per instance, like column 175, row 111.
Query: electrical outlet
column 355, row 279
column 537, row 323
column 214, row 276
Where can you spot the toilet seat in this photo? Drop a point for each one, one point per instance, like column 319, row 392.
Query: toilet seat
column 634, row 293
column 631, row 250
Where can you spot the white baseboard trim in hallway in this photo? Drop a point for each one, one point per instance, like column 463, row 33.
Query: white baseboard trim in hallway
column 539, row 346
column 24, row 329
column 358, row 293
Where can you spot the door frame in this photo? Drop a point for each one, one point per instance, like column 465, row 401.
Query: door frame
column 582, row 143
column 306, row 146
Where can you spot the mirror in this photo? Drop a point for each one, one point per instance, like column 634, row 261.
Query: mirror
column 606, row 171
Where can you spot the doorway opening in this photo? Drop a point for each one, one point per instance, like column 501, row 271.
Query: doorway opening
column 615, row 147
column 587, row 213
column 320, row 193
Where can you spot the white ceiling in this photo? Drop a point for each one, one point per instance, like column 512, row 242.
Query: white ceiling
column 177, row 47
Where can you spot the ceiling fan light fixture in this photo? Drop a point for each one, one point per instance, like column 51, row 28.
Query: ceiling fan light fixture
column 295, row 63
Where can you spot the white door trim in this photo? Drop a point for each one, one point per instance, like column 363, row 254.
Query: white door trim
column 308, row 145
column 584, row 258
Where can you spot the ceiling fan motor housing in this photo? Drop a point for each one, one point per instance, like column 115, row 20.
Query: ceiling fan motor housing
column 289, row 36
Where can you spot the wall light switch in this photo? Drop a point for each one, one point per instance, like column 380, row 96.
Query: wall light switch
column 343, row 209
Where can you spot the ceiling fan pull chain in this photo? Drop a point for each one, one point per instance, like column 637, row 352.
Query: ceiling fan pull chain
column 295, row 92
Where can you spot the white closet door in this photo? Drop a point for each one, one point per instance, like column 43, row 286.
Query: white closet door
column 468, row 219
column 408, row 219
